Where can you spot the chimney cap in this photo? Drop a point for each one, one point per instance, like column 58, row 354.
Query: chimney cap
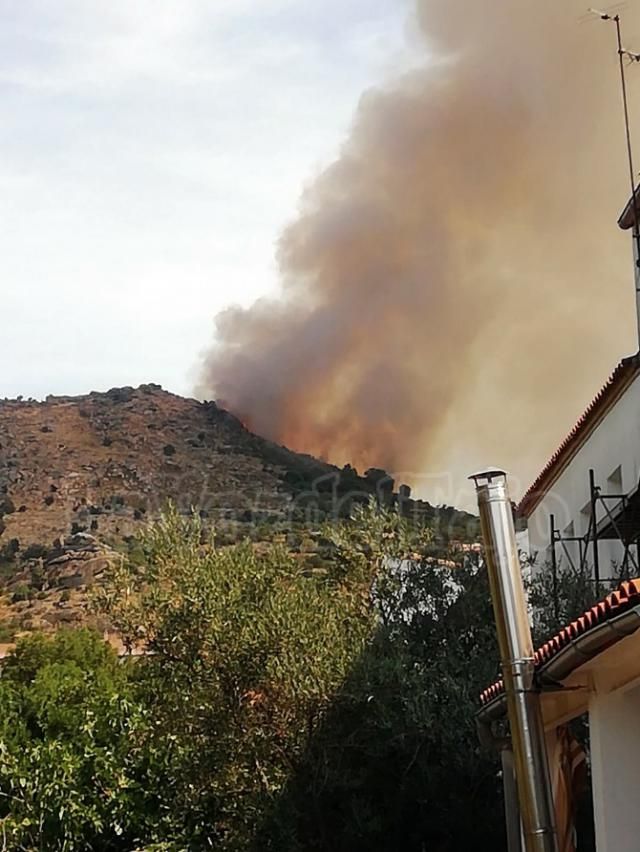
column 489, row 473
column 628, row 218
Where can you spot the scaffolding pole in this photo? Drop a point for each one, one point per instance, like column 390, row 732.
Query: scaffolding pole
column 589, row 543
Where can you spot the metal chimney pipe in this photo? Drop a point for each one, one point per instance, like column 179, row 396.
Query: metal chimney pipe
column 516, row 653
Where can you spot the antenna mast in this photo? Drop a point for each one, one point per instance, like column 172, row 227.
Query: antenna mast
column 631, row 57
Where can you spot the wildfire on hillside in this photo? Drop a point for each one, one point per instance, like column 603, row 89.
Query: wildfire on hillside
column 438, row 272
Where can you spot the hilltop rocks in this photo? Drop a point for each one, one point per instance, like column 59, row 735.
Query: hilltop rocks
column 80, row 561
column 125, row 394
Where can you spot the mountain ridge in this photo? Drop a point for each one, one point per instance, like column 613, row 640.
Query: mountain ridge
column 81, row 476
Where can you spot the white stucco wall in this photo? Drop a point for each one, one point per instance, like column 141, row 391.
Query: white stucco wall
column 614, row 443
column 615, row 768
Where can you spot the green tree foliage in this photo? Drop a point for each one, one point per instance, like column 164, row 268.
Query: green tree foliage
column 278, row 706
column 557, row 601
column 68, row 767
column 396, row 762
column 247, row 650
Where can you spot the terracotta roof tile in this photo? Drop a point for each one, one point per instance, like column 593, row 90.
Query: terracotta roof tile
column 624, row 597
column 623, row 373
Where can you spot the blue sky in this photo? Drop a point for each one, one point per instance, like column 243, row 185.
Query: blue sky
column 150, row 153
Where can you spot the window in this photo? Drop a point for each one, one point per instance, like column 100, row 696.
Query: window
column 614, row 482
column 585, row 518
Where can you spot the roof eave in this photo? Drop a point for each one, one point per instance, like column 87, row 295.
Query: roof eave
column 578, row 652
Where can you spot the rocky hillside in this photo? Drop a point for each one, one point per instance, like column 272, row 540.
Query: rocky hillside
column 80, row 475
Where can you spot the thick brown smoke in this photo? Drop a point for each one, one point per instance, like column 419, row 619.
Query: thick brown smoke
column 454, row 287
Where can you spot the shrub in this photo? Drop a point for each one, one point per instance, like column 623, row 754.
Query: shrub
column 7, row 506
column 35, row 551
column 7, row 631
column 9, row 550
column 21, row 593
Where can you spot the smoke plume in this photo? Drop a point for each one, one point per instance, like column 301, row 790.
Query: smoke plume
column 454, row 287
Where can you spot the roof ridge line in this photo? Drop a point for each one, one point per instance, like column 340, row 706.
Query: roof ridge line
column 625, row 371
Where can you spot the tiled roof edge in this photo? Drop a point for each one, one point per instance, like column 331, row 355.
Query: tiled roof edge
column 626, row 370
column 624, row 597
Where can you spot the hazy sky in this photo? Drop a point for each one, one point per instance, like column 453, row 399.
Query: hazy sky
column 150, row 153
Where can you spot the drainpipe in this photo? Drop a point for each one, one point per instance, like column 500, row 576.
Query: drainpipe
column 516, row 654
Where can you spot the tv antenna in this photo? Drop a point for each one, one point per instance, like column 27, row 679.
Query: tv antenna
column 626, row 57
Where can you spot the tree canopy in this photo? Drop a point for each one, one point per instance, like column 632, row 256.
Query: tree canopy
column 279, row 704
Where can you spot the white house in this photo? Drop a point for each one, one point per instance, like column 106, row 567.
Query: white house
column 593, row 474
column 584, row 507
